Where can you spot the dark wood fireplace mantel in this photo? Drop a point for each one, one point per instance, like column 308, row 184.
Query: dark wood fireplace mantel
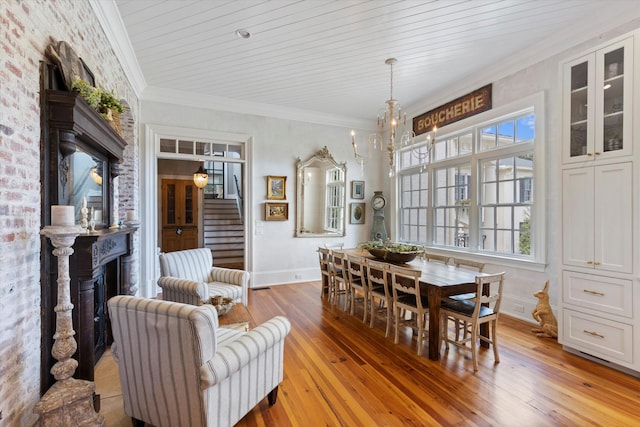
column 100, row 266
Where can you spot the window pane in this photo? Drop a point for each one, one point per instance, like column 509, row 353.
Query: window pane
column 167, row 145
column 452, row 147
column 525, row 128
column 506, row 133
column 185, row 147
column 219, row 150
column 489, row 194
column 466, row 144
column 440, row 150
column 504, row 241
column 504, row 217
column 235, row 151
column 488, row 138
column 203, row 148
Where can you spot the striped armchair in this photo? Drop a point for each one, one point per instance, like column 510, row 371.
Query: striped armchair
column 178, row 368
column 189, row 277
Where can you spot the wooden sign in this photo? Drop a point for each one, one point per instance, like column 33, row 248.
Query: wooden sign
column 460, row 108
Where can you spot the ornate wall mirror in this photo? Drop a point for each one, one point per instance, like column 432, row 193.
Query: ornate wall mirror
column 320, row 196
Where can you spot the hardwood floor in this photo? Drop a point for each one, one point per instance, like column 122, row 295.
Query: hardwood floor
column 339, row 372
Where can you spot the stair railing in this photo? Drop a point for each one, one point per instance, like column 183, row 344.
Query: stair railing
column 239, row 197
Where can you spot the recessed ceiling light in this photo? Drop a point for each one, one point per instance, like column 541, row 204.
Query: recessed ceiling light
column 243, row 34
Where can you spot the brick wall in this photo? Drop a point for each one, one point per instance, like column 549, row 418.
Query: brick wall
column 25, row 30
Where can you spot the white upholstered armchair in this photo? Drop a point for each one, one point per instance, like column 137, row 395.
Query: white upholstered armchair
column 188, row 277
column 178, row 368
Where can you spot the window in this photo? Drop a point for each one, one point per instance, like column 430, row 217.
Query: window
column 335, row 196
column 482, row 193
column 414, row 200
column 503, row 216
column 451, row 205
column 191, row 148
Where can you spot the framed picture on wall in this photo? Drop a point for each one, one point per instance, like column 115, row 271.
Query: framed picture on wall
column 276, row 211
column 276, row 187
column 356, row 213
column 357, row 189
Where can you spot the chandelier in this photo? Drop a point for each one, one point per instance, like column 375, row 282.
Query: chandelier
column 392, row 128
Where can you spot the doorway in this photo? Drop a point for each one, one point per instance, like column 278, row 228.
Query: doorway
column 170, row 154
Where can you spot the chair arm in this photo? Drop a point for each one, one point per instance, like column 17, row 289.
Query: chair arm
column 183, row 290
column 232, row 357
column 233, row 277
column 228, row 275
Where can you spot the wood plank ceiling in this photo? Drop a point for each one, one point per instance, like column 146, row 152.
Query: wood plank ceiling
column 329, row 56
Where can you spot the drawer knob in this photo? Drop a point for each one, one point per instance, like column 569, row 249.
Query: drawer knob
column 593, row 334
column 589, row 262
column 587, row 291
column 597, row 263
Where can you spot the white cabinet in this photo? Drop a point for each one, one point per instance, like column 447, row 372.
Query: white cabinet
column 597, row 217
column 597, row 104
column 599, row 306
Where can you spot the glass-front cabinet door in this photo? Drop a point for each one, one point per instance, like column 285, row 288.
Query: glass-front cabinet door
column 597, row 104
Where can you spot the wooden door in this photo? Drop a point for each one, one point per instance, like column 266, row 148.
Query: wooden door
column 179, row 215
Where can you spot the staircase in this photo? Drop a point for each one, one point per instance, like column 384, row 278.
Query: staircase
column 224, row 232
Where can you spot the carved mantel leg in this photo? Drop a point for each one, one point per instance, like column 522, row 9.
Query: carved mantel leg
column 69, row 401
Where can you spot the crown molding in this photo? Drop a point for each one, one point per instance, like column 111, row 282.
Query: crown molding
column 190, row 99
column 111, row 22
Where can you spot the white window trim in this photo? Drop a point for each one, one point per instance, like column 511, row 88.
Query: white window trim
column 539, row 243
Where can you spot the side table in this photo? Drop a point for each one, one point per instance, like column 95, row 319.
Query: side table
column 237, row 318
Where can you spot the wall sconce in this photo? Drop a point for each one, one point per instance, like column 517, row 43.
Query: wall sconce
column 200, row 177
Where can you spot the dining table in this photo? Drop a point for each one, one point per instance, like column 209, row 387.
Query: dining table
column 437, row 281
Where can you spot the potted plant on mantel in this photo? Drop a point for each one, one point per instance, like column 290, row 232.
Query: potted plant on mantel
column 103, row 101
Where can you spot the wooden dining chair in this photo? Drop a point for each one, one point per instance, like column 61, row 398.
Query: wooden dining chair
column 483, row 308
column 378, row 283
column 469, row 265
column 334, row 245
column 435, row 258
column 358, row 284
column 339, row 273
column 406, row 296
column 324, row 258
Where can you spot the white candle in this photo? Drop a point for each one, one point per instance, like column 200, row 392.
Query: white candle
column 98, row 216
column 131, row 215
column 63, row 216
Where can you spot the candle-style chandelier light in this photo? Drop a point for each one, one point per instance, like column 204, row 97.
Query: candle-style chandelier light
column 392, row 128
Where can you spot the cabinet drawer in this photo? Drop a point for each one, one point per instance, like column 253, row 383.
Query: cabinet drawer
column 600, row 337
column 605, row 294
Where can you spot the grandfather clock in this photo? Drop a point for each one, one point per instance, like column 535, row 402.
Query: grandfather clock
column 378, row 230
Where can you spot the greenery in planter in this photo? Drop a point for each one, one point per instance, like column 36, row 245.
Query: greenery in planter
column 88, row 92
column 389, row 246
column 98, row 98
column 109, row 101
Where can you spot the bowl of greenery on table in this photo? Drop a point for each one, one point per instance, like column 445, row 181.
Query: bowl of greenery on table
column 392, row 252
